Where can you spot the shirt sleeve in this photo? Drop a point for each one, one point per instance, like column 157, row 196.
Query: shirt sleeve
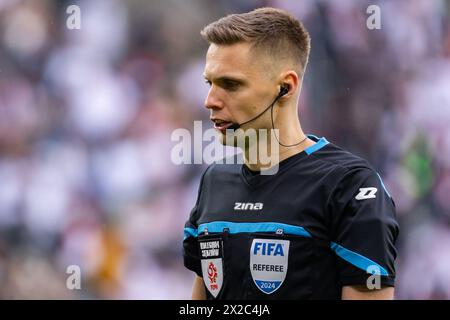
column 364, row 228
column 190, row 243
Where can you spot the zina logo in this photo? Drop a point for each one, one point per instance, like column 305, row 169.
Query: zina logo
column 248, row 206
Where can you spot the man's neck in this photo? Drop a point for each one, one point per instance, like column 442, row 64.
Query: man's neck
column 276, row 156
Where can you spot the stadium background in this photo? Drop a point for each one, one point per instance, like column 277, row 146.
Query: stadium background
column 86, row 117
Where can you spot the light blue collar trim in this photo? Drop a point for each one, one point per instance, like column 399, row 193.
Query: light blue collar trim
column 319, row 144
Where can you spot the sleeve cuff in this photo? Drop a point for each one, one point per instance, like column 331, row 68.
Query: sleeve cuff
column 388, row 281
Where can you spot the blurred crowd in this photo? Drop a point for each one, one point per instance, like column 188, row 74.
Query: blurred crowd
column 86, row 118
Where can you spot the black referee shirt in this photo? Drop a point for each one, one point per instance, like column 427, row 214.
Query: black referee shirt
column 323, row 221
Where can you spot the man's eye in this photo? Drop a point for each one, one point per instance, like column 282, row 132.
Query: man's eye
column 208, row 82
column 231, row 85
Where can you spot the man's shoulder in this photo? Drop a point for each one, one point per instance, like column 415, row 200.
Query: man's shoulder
column 343, row 171
column 340, row 158
column 343, row 163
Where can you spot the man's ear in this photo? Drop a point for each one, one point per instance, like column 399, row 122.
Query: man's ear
column 290, row 82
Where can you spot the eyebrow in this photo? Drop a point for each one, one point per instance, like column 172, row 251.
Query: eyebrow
column 227, row 78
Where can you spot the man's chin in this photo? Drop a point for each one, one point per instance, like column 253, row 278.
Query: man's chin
column 235, row 139
column 227, row 139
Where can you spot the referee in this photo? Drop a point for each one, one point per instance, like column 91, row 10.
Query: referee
column 323, row 226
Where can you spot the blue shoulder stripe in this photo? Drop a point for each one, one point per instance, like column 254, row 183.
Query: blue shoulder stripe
column 356, row 259
column 382, row 184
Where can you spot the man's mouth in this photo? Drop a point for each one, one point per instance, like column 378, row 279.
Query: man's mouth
column 222, row 125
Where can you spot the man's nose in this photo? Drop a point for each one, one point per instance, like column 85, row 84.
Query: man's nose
column 212, row 101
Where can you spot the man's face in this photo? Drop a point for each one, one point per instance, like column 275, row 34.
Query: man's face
column 241, row 86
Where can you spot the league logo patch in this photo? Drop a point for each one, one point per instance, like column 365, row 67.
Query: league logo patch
column 212, row 269
column 269, row 263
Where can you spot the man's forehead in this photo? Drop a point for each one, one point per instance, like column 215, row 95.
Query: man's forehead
column 233, row 61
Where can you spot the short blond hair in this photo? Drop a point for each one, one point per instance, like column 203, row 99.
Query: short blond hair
column 272, row 30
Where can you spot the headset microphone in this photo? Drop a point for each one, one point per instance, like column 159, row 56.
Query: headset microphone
column 283, row 90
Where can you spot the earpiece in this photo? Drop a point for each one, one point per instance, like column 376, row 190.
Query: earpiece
column 283, row 90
